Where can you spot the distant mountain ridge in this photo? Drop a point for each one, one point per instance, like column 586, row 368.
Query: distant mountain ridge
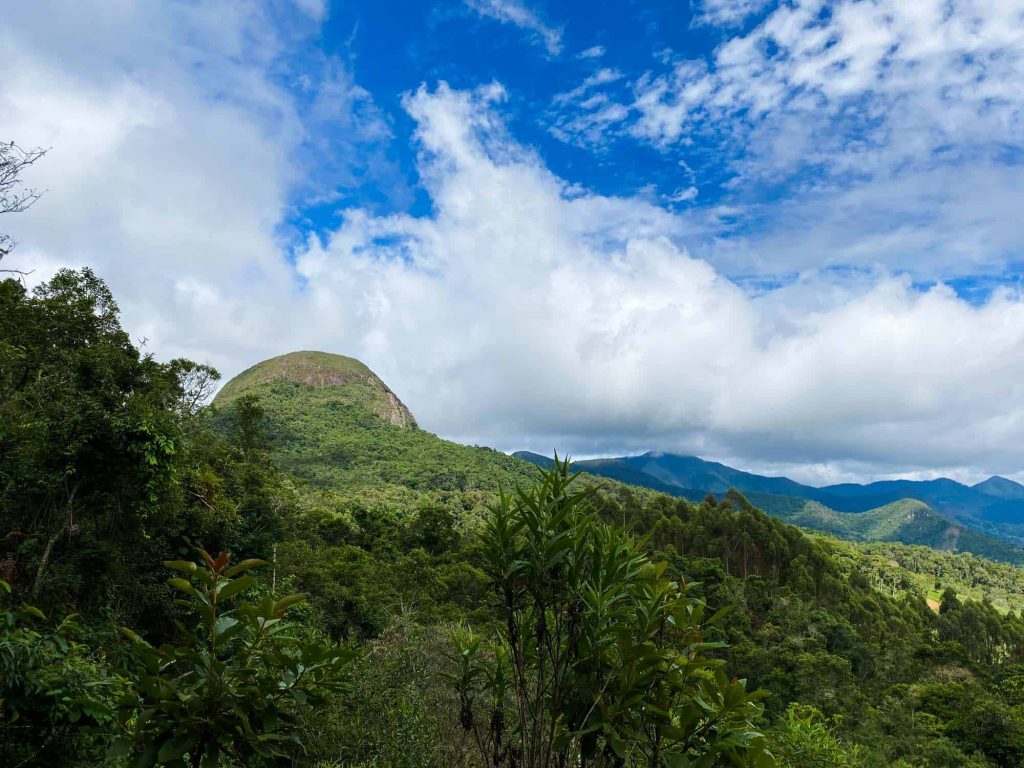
column 987, row 518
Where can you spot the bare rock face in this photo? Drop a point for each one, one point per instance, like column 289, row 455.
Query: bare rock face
column 351, row 379
column 397, row 413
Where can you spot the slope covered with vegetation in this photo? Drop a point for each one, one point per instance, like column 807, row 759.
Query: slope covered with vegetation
column 898, row 569
column 907, row 521
column 349, row 382
column 336, row 429
column 573, row 621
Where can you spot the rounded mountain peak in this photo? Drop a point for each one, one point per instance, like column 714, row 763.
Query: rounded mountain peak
column 325, row 371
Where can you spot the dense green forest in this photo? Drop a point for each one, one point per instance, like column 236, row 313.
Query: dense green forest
column 296, row 574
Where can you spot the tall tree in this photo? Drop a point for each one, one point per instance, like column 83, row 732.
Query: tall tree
column 88, row 429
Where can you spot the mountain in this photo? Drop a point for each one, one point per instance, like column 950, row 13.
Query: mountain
column 535, row 458
column 996, row 501
column 624, row 472
column 377, row 506
column 1000, row 488
column 694, row 473
column 331, row 422
column 936, row 513
column 943, row 494
column 347, row 379
column 995, row 507
column 907, row 521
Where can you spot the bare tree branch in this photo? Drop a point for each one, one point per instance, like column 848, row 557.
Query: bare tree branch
column 14, row 196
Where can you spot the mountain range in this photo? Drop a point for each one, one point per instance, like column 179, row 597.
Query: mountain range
column 335, row 424
column 986, row 518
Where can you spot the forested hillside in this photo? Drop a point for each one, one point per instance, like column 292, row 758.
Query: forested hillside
column 339, row 432
column 846, row 511
column 898, row 569
column 462, row 607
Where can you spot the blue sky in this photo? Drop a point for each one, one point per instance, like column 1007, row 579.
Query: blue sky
column 564, row 65
column 394, row 47
column 786, row 236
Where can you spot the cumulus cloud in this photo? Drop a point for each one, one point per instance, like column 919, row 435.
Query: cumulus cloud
column 524, row 313
column 176, row 156
column 727, row 13
column 518, row 14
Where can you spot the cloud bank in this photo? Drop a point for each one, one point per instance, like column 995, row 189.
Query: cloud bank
column 522, row 311
column 526, row 312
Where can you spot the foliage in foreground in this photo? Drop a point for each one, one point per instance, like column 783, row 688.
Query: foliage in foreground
column 597, row 660
column 58, row 697
column 228, row 690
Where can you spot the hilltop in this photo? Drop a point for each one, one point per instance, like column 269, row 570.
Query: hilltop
column 346, row 379
column 333, row 423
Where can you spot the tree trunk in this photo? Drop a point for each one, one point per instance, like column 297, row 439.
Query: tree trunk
column 51, row 542
column 47, row 551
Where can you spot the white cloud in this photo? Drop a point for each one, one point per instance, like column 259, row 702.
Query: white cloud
column 594, row 52
column 727, row 13
column 599, row 111
column 865, row 115
column 600, row 77
column 683, row 195
column 315, row 9
column 518, row 14
column 524, row 313
column 947, row 68
column 175, row 156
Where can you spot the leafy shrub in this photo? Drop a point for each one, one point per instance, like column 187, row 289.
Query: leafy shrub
column 598, row 660
column 57, row 697
column 230, row 689
column 803, row 738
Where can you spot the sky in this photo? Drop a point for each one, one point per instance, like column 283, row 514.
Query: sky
column 788, row 236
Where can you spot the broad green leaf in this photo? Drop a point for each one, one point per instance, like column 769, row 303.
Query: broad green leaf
column 133, row 637
column 232, row 588
column 32, row 611
column 286, row 602
column 185, row 566
column 224, row 623
column 183, row 585
column 243, row 566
